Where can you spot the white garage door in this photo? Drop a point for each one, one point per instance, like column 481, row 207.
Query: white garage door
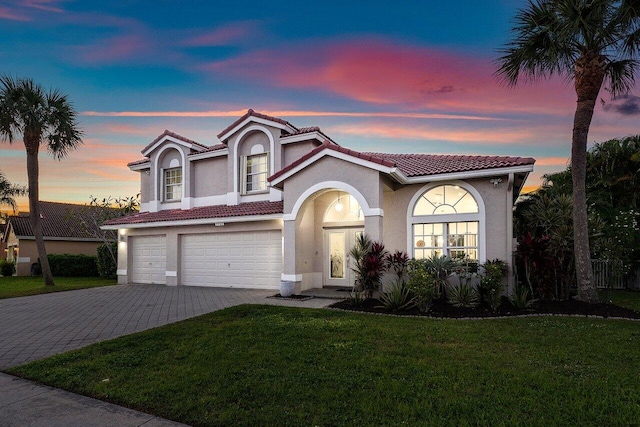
column 243, row 260
column 148, row 259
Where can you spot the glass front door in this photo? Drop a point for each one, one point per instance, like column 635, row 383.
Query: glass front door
column 338, row 244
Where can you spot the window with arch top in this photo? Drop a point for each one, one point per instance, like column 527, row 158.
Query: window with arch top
column 445, row 221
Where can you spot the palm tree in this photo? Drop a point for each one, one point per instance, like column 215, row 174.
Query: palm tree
column 8, row 192
column 591, row 42
column 42, row 118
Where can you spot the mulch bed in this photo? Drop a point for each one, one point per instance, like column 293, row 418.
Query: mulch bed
column 442, row 309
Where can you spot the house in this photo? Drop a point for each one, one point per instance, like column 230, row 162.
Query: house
column 273, row 202
column 66, row 230
column 4, row 252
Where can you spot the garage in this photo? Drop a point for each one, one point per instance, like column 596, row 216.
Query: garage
column 239, row 260
column 148, row 259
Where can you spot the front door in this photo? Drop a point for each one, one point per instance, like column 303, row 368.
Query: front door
column 338, row 244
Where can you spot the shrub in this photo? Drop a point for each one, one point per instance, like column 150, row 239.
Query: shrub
column 355, row 298
column 369, row 264
column 463, row 295
column 440, row 267
column 520, row 298
column 67, row 265
column 107, row 260
column 398, row 298
column 422, row 284
column 7, row 268
column 397, row 262
column 490, row 287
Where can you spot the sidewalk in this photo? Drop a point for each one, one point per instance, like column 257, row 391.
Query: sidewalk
column 26, row 404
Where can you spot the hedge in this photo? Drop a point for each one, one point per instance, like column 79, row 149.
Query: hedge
column 67, row 265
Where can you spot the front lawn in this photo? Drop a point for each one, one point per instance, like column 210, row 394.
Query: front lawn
column 22, row 286
column 263, row 365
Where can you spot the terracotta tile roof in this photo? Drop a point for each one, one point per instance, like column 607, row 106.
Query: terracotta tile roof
column 311, row 129
column 418, row 164
column 306, row 130
column 214, row 148
column 434, row 164
column 328, row 145
column 138, row 162
column 173, row 135
column 250, row 113
column 60, row 220
column 205, row 212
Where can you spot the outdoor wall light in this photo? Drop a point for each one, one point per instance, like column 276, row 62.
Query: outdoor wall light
column 495, row 181
column 339, row 204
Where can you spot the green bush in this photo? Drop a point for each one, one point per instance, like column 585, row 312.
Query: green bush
column 491, row 287
column 107, row 266
column 7, row 268
column 67, row 265
column 463, row 295
column 422, row 284
column 398, row 298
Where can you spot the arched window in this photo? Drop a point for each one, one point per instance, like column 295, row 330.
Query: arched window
column 445, row 221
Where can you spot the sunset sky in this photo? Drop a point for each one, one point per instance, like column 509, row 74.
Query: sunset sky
column 413, row 76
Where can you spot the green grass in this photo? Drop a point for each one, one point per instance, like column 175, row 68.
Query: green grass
column 262, row 365
column 629, row 299
column 22, row 286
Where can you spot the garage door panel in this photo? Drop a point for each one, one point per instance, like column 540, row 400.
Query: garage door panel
column 148, row 259
column 247, row 259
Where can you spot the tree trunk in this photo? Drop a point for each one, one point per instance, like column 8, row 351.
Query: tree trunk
column 33, row 172
column 589, row 76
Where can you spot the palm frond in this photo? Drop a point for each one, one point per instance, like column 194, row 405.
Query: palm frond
column 620, row 76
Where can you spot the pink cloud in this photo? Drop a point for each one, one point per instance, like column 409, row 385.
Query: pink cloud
column 225, row 35
column 290, row 113
column 14, row 15
column 23, row 10
column 382, row 72
column 116, row 48
column 483, row 136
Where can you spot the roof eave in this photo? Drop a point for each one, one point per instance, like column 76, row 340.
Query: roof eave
column 199, row 221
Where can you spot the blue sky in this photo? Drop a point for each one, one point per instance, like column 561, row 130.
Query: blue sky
column 376, row 76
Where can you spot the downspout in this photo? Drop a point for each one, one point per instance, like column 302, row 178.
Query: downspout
column 510, row 232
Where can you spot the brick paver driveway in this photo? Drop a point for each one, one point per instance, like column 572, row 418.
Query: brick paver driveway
column 42, row 325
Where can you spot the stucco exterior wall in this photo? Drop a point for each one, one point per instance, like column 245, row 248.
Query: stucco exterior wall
column 28, row 253
column 367, row 181
column 146, row 186
column 210, row 177
column 295, row 150
column 396, row 210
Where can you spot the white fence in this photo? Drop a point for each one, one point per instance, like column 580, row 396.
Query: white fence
column 607, row 273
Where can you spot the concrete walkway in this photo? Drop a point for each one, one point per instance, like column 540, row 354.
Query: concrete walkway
column 39, row 326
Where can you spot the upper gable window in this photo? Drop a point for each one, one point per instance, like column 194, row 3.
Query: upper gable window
column 254, row 173
column 172, row 184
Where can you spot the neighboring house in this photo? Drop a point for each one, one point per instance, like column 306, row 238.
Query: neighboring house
column 275, row 202
column 3, row 246
column 67, row 229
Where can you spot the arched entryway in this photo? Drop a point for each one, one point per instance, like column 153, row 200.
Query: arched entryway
column 321, row 230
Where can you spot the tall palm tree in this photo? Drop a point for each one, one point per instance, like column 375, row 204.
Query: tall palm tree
column 594, row 43
column 42, row 118
column 8, row 192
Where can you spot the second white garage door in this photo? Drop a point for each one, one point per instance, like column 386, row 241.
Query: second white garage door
column 240, row 260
